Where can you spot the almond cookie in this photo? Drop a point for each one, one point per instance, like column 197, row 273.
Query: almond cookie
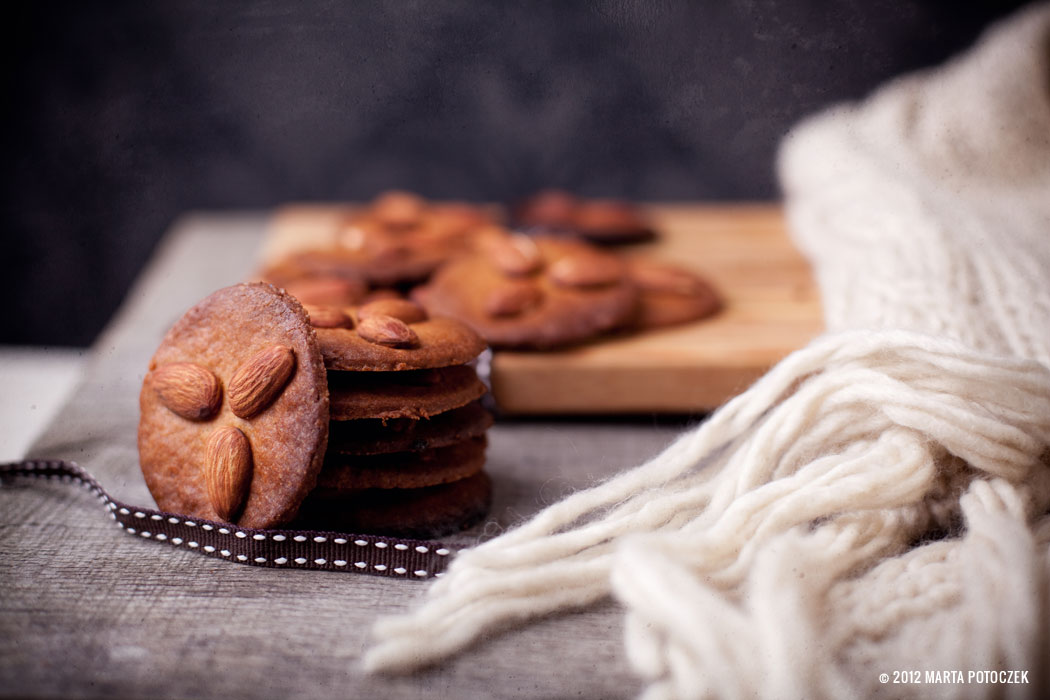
column 399, row 239
column 392, row 335
column 601, row 221
column 670, row 295
column 413, row 394
column 533, row 292
column 375, row 436
column 315, row 284
column 424, row 513
column 402, row 470
column 234, row 410
column 611, row 222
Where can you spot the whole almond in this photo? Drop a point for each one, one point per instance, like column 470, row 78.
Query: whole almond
column 258, row 382
column 188, row 390
column 587, row 270
column 512, row 299
column 228, row 471
column 401, row 309
column 328, row 317
column 516, row 256
column 387, row 330
column 663, row 278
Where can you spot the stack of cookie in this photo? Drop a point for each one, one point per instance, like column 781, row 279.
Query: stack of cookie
column 406, row 442
column 259, row 413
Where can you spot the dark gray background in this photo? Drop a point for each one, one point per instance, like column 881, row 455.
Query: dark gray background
column 119, row 116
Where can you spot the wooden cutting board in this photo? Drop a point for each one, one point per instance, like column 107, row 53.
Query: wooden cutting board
column 772, row 307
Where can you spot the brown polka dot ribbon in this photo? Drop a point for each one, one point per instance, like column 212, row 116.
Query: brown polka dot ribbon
column 277, row 549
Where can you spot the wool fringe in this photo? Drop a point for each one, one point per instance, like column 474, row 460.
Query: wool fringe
column 844, row 456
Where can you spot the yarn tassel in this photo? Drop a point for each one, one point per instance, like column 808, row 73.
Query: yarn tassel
column 848, row 452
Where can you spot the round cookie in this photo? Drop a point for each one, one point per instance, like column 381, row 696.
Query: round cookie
column 402, row 470
column 234, row 410
column 550, row 210
column 611, row 222
column 416, row 394
column 376, row 256
column 425, row 513
column 399, row 239
column 533, row 292
column 392, row 335
column 670, row 295
column 373, row 436
column 600, row 221
column 313, row 284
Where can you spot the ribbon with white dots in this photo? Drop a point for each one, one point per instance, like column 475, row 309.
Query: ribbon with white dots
column 290, row 549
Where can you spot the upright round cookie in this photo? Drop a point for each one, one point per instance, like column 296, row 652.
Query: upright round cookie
column 234, row 410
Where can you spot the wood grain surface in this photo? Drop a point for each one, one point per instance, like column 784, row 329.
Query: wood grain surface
column 772, row 307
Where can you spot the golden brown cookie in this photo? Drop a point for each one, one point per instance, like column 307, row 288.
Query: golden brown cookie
column 550, row 210
column 533, row 292
column 391, row 335
column 399, row 239
column 372, row 436
column 316, row 285
column 234, row 410
column 601, row 221
column 402, row 470
column 611, row 222
column 327, row 290
column 424, row 513
column 670, row 295
column 412, row 394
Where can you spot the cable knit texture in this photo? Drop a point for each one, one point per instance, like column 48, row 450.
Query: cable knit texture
column 879, row 500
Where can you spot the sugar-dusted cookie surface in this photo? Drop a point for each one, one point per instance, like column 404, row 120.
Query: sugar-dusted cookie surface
column 533, row 292
column 234, row 410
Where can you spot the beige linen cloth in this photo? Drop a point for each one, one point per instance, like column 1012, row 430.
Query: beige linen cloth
column 878, row 503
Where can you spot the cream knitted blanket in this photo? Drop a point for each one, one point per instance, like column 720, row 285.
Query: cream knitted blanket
column 879, row 501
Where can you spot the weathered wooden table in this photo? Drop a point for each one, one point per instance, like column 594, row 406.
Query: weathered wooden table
column 87, row 610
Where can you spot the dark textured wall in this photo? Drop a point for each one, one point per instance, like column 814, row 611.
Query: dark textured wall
column 119, row 116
